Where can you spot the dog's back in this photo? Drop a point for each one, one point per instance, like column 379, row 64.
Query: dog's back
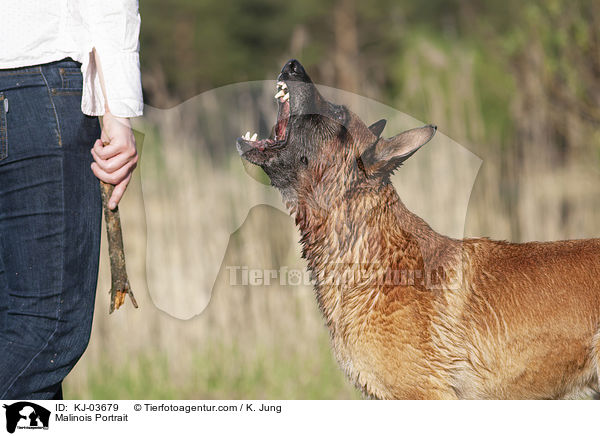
column 529, row 316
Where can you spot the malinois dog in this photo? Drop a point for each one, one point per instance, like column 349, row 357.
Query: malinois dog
column 422, row 315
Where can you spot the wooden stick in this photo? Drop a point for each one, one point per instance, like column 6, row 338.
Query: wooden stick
column 118, row 272
column 119, row 287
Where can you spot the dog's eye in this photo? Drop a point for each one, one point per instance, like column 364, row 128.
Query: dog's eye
column 304, row 160
column 340, row 115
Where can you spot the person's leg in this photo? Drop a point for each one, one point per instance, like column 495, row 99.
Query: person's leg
column 50, row 214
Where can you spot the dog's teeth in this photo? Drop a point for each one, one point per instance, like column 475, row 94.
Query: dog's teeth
column 281, row 93
column 286, row 97
column 247, row 136
column 281, row 85
column 254, row 137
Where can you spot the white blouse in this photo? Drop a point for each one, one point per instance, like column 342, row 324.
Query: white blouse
column 35, row 32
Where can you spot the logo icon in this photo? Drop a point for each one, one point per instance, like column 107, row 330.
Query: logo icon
column 26, row 415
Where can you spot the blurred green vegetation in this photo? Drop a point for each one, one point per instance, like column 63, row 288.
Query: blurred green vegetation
column 191, row 46
column 219, row 372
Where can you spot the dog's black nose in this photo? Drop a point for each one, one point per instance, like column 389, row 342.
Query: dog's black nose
column 293, row 70
column 293, row 67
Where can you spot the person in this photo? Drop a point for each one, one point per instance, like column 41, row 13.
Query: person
column 55, row 57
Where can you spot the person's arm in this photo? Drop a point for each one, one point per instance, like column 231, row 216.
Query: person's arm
column 114, row 31
column 115, row 153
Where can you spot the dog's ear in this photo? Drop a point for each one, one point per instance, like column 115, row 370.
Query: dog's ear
column 377, row 127
column 386, row 155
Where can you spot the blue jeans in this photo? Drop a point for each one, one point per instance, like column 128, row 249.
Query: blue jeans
column 50, row 219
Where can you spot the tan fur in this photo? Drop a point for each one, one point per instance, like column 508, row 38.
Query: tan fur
column 503, row 320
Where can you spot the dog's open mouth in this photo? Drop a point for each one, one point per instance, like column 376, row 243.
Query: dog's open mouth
column 250, row 142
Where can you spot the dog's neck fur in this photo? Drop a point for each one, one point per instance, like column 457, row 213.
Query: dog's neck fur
column 364, row 238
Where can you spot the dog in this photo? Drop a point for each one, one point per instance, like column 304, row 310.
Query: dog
column 475, row 319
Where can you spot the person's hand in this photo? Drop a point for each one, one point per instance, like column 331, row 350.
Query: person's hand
column 115, row 155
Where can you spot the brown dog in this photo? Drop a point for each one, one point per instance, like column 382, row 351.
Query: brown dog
column 412, row 313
